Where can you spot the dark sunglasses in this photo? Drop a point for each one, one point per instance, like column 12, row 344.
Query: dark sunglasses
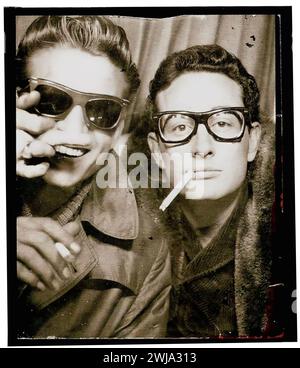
column 100, row 111
column 225, row 124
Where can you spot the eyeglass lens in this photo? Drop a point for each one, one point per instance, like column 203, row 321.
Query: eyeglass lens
column 224, row 124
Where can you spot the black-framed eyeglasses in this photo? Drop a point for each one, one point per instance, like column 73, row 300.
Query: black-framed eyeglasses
column 225, row 124
column 100, row 111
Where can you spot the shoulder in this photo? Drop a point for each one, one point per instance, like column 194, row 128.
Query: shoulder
column 152, row 237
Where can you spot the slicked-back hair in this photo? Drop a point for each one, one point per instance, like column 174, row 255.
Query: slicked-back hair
column 96, row 35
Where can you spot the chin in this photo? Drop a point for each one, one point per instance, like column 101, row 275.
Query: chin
column 194, row 190
column 202, row 190
column 66, row 177
column 204, row 196
column 62, row 180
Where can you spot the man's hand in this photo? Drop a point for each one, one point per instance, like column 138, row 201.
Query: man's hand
column 39, row 264
column 29, row 126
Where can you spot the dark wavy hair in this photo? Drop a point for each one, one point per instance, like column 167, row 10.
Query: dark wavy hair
column 210, row 58
column 97, row 35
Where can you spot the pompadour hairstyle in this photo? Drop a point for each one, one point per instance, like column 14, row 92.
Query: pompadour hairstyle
column 97, row 35
column 211, row 58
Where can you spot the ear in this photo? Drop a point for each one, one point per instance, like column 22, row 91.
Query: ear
column 153, row 144
column 254, row 140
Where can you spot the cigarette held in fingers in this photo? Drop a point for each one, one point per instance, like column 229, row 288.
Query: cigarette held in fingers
column 64, row 252
column 177, row 189
column 66, row 255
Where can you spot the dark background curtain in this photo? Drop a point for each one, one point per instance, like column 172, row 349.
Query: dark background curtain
column 250, row 37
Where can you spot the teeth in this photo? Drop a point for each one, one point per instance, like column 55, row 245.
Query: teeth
column 73, row 152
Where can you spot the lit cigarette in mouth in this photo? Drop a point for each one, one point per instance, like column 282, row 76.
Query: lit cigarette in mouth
column 178, row 188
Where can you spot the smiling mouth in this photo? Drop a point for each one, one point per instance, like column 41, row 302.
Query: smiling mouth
column 64, row 151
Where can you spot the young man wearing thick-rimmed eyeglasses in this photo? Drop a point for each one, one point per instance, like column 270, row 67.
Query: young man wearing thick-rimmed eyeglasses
column 203, row 107
column 86, row 268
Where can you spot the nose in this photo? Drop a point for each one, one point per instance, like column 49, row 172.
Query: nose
column 74, row 121
column 203, row 143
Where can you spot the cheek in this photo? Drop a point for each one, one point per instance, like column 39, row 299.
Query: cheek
column 178, row 154
column 234, row 163
column 177, row 160
column 103, row 141
column 233, row 154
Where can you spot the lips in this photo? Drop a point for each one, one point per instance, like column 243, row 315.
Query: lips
column 206, row 174
column 70, row 151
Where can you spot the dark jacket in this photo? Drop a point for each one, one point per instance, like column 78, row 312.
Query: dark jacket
column 252, row 251
column 122, row 280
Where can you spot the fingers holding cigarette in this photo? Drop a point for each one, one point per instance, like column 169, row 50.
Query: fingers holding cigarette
column 46, row 251
column 67, row 255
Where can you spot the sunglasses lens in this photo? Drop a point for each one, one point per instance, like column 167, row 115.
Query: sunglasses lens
column 103, row 113
column 53, row 101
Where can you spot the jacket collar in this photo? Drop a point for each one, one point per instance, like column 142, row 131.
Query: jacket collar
column 112, row 211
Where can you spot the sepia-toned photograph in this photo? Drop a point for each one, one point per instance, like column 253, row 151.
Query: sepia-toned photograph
column 152, row 197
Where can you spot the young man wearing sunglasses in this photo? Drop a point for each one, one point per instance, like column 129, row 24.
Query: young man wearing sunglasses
column 203, row 118
column 88, row 269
